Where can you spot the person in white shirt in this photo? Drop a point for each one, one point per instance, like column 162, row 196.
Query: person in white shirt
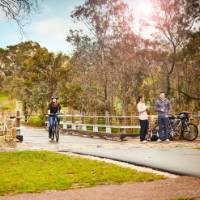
column 143, row 118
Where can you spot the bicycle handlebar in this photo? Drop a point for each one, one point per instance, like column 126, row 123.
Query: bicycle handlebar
column 54, row 114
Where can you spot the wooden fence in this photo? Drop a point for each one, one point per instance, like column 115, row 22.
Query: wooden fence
column 107, row 126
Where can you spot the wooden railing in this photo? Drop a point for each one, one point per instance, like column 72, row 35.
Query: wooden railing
column 106, row 126
column 99, row 123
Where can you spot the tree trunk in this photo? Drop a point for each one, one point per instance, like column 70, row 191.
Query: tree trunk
column 168, row 91
column 125, row 113
column 169, row 73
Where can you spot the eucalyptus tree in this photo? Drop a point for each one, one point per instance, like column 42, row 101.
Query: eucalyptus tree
column 189, row 79
column 104, row 20
column 173, row 22
column 17, row 10
column 34, row 74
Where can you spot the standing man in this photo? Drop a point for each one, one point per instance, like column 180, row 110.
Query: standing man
column 163, row 109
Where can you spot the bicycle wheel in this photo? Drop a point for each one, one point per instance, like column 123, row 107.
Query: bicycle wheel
column 177, row 130
column 154, row 134
column 190, row 132
column 57, row 132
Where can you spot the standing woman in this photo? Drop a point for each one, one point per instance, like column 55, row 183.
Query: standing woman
column 143, row 117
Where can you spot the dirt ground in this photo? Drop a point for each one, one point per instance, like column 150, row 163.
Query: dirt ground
column 6, row 146
column 156, row 190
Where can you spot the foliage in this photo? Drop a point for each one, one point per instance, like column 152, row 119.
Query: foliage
column 198, row 148
column 18, row 10
column 29, row 171
column 33, row 75
column 36, row 121
column 172, row 24
column 7, row 103
column 182, row 198
column 111, row 65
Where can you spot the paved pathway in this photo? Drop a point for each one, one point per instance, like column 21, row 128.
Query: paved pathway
column 175, row 157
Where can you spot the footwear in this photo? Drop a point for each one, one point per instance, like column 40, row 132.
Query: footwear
column 167, row 140
column 143, row 141
column 50, row 140
column 159, row 140
column 122, row 137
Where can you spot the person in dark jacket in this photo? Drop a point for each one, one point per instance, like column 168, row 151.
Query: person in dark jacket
column 53, row 111
column 163, row 108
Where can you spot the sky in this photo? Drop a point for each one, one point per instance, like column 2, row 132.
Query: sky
column 49, row 25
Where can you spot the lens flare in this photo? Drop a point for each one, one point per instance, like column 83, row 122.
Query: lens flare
column 142, row 12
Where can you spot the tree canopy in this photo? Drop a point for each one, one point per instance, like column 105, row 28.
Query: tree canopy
column 111, row 64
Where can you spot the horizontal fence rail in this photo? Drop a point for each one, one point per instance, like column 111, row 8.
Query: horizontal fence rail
column 107, row 124
column 99, row 123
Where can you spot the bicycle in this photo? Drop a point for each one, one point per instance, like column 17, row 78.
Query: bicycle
column 55, row 128
column 180, row 127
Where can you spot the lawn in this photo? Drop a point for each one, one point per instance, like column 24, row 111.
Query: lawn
column 182, row 198
column 36, row 171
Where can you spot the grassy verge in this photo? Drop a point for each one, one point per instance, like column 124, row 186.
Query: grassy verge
column 36, row 121
column 6, row 103
column 182, row 198
column 197, row 148
column 36, row 171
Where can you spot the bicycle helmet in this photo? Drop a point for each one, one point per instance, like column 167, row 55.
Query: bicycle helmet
column 54, row 97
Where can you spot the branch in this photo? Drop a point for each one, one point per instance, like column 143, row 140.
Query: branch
column 188, row 95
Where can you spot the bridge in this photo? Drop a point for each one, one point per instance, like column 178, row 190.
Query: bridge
column 107, row 126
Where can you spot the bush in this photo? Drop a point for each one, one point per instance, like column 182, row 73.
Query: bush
column 37, row 121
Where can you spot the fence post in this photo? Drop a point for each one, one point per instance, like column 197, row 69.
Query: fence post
column 107, row 118
column 73, row 125
column 84, row 127
column 18, row 123
column 124, row 123
column 95, row 128
column 198, row 123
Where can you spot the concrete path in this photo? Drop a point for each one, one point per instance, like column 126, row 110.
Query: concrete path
column 174, row 157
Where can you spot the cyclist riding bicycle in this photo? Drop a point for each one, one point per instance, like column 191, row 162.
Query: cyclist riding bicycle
column 53, row 111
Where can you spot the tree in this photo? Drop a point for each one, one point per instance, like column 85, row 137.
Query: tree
column 189, row 82
column 172, row 23
column 34, row 75
column 105, row 19
column 18, row 9
column 126, row 69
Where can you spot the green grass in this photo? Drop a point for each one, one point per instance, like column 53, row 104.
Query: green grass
column 198, row 148
column 182, row 198
column 7, row 103
column 36, row 121
column 3, row 97
column 36, row 171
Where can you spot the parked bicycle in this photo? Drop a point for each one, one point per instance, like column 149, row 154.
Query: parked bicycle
column 180, row 127
column 55, row 128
